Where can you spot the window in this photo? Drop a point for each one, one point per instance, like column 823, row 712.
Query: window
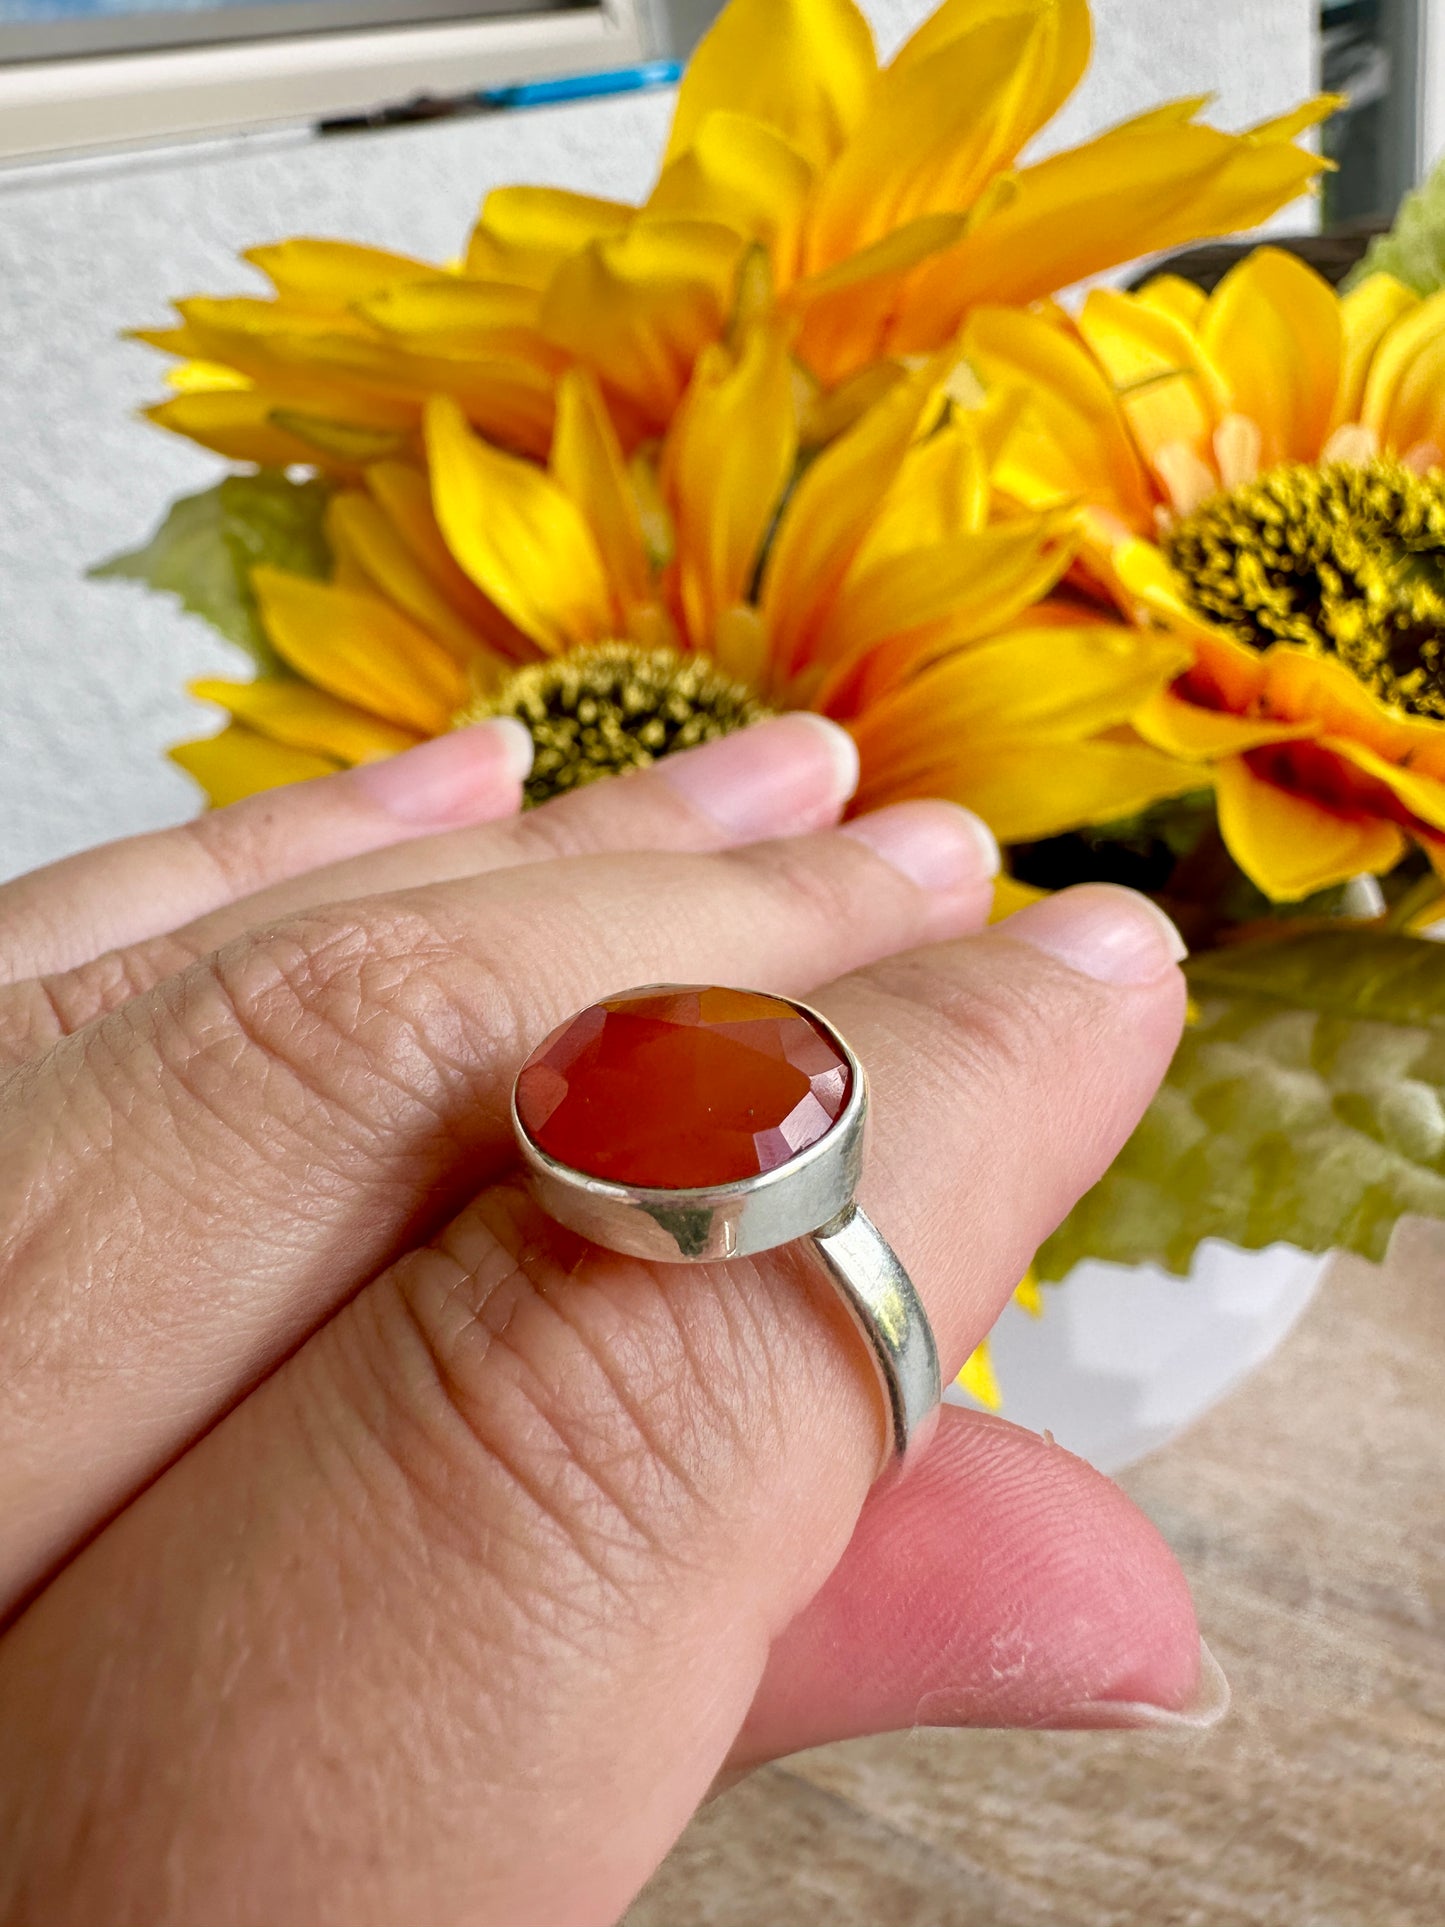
column 98, row 74
column 1379, row 53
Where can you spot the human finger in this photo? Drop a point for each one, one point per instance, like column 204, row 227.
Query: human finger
column 782, row 777
column 189, row 1185
column 121, row 893
column 1006, row 1584
column 496, row 1562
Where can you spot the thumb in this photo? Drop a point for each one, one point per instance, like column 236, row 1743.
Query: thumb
column 1006, row 1583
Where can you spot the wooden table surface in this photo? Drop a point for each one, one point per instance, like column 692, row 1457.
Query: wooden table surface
column 1309, row 1512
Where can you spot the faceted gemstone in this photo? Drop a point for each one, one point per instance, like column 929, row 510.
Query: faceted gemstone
column 682, row 1085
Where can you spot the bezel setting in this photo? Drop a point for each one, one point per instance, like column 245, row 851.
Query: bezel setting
column 704, row 1223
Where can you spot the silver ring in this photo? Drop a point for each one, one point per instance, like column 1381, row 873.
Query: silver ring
column 806, row 1193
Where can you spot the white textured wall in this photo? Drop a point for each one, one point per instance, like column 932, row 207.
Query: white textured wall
column 90, row 674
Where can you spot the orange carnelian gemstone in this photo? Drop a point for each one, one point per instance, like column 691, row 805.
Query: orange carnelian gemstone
column 682, row 1085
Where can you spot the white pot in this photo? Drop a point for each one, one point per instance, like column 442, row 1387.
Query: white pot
column 1126, row 1357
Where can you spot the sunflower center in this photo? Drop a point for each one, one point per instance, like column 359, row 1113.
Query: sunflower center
column 1345, row 559
column 614, row 706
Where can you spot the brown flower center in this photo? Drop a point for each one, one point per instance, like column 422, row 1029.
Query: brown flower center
column 614, row 706
column 1344, row 559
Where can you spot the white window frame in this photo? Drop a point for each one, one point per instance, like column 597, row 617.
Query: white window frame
column 52, row 108
column 1431, row 85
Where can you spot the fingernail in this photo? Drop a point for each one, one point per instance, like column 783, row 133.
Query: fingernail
column 1101, row 930
column 453, row 779
column 1206, row 1707
column 792, row 773
column 936, row 845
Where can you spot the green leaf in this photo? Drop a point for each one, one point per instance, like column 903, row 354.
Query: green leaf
column 1307, row 1104
column 207, row 546
column 1414, row 249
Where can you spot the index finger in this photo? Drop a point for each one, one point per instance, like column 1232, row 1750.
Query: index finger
column 124, row 892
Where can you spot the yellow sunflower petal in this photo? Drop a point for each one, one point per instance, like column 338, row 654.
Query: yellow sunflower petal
column 908, row 607
column 1002, row 781
column 1423, row 796
column 303, row 717
column 1299, row 120
column 1236, row 672
column 845, row 312
column 347, row 573
column 1072, row 439
column 728, row 460
column 337, row 366
column 301, row 357
column 1367, row 312
column 236, row 423
column 357, row 376
column 639, row 310
column 328, row 276
column 825, row 417
column 941, row 490
column 405, row 497
column 362, row 533
column 524, row 232
column 1169, row 113
column 339, row 443
column 170, row 341
column 1056, row 681
column 508, row 395
column 1182, row 728
column 1071, row 38
column 831, row 509
column 1010, row 895
column 977, row 1379
column 1027, row 1295
column 805, row 68
column 1405, row 389
column 744, row 174
column 939, row 126
column 239, row 763
column 1288, row 846
column 200, row 377
column 1272, row 330
column 519, row 537
column 740, row 647
column 1153, row 360
column 238, row 318
column 361, row 649
column 1170, row 294
column 454, row 313
column 588, row 465
column 1302, row 685
column 1131, row 192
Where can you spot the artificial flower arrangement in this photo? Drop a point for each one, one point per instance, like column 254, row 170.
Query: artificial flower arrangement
column 1155, row 581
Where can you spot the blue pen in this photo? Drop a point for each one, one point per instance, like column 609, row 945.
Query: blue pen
column 533, row 93
column 548, row 93
column 494, row 99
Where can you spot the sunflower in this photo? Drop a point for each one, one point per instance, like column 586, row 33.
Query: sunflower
column 625, row 608
column 1258, row 472
column 870, row 208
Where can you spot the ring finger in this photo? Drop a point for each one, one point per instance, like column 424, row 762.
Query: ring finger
column 190, row 1185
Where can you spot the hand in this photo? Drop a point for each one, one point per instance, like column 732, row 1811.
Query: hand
column 375, row 1553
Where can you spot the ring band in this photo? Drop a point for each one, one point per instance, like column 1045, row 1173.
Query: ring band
column 621, row 1109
